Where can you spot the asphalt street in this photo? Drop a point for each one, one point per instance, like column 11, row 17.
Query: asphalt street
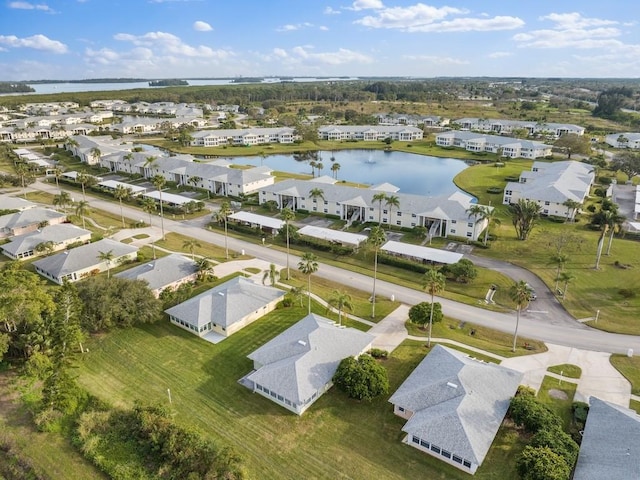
column 549, row 321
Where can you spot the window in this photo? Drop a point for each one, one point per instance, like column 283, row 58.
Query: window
column 453, row 230
column 446, row 454
column 469, row 234
column 546, row 203
column 384, row 211
column 370, row 217
column 457, row 459
column 508, row 192
column 467, row 463
column 435, row 448
column 424, row 444
column 413, row 224
column 454, row 221
column 415, row 439
column 401, row 409
column 325, row 210
column 399, row 214
column 258, row 387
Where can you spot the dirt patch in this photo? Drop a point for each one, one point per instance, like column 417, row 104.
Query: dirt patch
column 558, row 394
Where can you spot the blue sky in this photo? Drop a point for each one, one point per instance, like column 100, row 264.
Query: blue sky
column 73, row 39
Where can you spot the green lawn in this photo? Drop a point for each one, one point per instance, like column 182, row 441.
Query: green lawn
column 560, row 406
column 175, row 241
column 567, row 370
column 336, row 438
column 630, row 368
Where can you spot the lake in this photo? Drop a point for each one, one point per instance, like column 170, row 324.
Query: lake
column 412, row 173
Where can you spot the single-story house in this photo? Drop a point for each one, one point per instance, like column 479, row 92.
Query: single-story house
column 46, row 240
column 163, row 273
column 295, row 368
column 454, row 405
column 84, row 261
column 610, row 445
column 225, row 309
column 29, row 220
column 8, row 202
column 552, row 185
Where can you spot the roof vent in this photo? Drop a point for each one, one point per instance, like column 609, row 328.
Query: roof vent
column 452, row 385
column 302, row 342
column 221, row 294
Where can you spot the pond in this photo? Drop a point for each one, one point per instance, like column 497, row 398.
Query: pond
column 412, row 173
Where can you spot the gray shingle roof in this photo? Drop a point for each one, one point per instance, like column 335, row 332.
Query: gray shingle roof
column 555, row 182
column 82, row 257
column 8, row 202
column 225, row 304
column 611, row 443
column 161, row 272
column 28, row 217
column 304, row 358
column 458, row 403
column 63, row 232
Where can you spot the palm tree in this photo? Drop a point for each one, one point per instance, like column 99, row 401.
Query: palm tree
column 122, row 193
column 148, row 163
column 222, row 215
column 559, row 260
column 57, row 173
column 195, row 180
column 615, row 225
column 191, row 244
column 341, row 301
column 335, row 167
column 22, row 170
column 566, row 277
column 476, row 211
column 433, row 282
column 606, row 219
column 308, row 264
column 287, row 215
column 106, row 257
column 316, row 193
column 159, row 182
column 96, row 154
column 149, row 206
column 379, row 197
column 524, row 215
column 376, row 239
column 319, row 166
column 204, row 268
column 62, row 200
column 82, row 209
column 83, row 179
column 297, row 293
column 392, row 201
column 572, row 207
column 273, row 275
column 491, row 216
column 520, row 293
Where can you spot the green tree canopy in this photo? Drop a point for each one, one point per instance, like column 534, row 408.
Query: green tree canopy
column 542, row 463
column 524, row 216
column 362, row 378
column 626, row 162
column 419, row 314
column 572, row 143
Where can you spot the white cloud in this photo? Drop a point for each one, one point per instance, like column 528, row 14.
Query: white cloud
column 168, row 44
column 291, row 27
column 324, row 28
column 37, row 42
column 201, row 26
column 331, row 11
column 426, row 18
column 500, row 54
column 574, row 31
column 436, row 59
column 31, row 6
column 366, row 5
column 305, row 56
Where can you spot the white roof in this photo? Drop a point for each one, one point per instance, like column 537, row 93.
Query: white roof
column 258, row 220
column 113, row 184
column 169, row 197
column 425, row 253
column 332, row 235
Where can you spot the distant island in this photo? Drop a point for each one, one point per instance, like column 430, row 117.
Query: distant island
column 7, row 87
column 169, row 82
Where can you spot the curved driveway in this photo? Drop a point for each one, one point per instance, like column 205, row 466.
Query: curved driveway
column 550, row 327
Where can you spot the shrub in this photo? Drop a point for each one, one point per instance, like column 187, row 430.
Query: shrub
column 378, row 353
column 362, row 378
column 558, row 441
column 605, row 180
column 512, row 179
column 591, row 208
column 527, row 411
column 420, row 313
column 541, row 463
column 627, row 292
column 495, row 190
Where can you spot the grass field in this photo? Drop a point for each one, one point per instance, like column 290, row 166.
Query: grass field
column 567, row 370
column 336, row 438
column 629, row 367
column 560, row 406
column 175, row 242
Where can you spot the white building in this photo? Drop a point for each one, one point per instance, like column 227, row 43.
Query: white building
column 502, row 126
column 244, row 136
column 623, row 140
column 369, row 133
column 507, row 146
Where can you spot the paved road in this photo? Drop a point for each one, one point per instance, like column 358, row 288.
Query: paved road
column 533, row 325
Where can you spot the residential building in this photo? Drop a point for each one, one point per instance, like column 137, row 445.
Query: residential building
column 244, row 136
column 552, row 185
column 411, row 120
column 369, row 133
column 443, row 216
column 610, row 445
column 225, row 309
column 454, row 405
column 48, row 239
column 164, row 273
column 506, row 146
column 623, row 140
column 295, row 368
column 7, row 202
column 81, row 262
column 502, row 126
column 29, row 220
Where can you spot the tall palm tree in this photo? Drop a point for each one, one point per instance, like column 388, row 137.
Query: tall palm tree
column 62, row 200
column 122, row 193
column 273, row 275
column 335, row 167
column 22, row 170
column 191, row 244
column 149, row 206
column 520, row 293
column 287, row 216
column 392, row 201
column 572, row 207
column 606, row 219
column 149, row 162
column 476, row 212
column 85, row 180
column 96, row 154
column 82, row 209
column 379, row 197
column 376, row 239
column 340, row 301
column 615, row 225
column 222, row 215
column 108, row 258
column 566, row 277
column 524, row 215
column 489, row 214
column 316, row 193
column 194, row 180
column 57, row 173
column 308, row 265
column 433, row 282
column 159, row 182
column 319, row 166
column 559, row 260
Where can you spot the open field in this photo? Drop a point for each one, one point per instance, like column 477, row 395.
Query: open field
column 336, row 438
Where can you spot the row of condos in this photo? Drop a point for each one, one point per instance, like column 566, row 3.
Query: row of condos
column 36, row 134
column 246, row 136
column 501, row 126
column 216, row 177
column 507, row 146
column 369, row 133
column 443, row 216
